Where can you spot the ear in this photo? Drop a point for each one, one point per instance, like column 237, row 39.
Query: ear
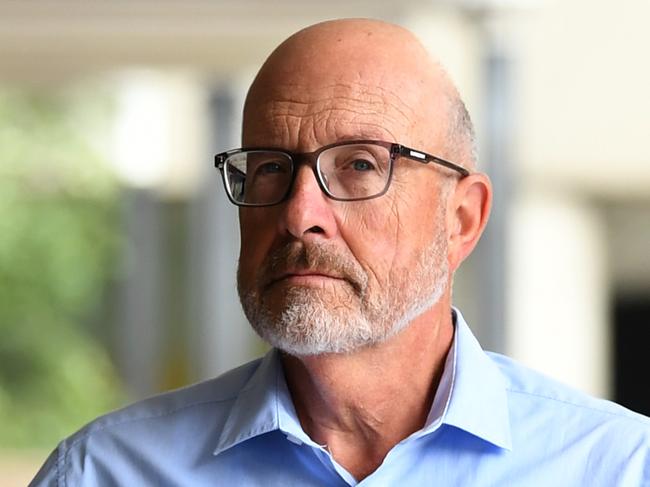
column 467, row 214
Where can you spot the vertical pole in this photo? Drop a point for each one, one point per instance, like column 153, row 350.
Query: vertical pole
column 223, row 337
column 139, row 331
column 496, row 154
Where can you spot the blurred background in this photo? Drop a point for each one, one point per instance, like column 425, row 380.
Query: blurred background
column 118, row 246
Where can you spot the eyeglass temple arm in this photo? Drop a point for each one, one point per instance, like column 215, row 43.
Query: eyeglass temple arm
column 425, row 158
column 218, row 161
column 219, row 164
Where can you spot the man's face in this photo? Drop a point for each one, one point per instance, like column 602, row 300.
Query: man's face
column 318, row 275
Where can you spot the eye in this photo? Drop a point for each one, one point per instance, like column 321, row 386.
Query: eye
column 362, row 165
column 270, row 168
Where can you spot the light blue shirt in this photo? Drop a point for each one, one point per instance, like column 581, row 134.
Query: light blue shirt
column 492, row 423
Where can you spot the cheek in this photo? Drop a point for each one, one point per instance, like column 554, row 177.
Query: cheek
column 257, row 233
column 388, row 235
column 370, row 230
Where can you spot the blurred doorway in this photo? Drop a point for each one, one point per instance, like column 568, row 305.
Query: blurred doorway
column 631, row 322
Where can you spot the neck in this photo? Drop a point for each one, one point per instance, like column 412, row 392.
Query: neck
column 348, row 401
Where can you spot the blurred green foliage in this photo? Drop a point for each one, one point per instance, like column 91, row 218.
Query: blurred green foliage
column 58, row 242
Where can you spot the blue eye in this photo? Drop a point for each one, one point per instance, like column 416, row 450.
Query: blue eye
column 362, row 165
column 270, row 168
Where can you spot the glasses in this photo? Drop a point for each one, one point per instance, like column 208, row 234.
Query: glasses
column 345, row 171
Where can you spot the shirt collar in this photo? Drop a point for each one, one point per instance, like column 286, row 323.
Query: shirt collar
column 263, row 405
column 476, row 400
column 254, row 411
column 471, row 396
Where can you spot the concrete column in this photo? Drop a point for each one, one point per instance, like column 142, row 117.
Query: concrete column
column 557, row 294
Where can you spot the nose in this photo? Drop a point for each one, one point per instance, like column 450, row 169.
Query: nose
column 308, row 212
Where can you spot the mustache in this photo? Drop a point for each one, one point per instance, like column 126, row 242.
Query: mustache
column 319, row 257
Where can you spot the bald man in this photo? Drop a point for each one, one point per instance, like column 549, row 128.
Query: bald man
column 358, row 199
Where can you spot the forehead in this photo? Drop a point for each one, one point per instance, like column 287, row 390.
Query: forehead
column 302, row 115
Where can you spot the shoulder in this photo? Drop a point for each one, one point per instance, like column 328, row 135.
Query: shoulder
column 554, row 426
column 209, row 394
column 545, row 407
column 531, row 385
column 192, row 416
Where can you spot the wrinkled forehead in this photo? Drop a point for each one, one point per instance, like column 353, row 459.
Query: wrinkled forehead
column 301, row 99
column 297, row 114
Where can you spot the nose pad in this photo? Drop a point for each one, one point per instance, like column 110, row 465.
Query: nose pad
column 325, row 180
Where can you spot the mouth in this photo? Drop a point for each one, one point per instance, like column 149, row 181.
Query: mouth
column 306, row 278
column 309, row 278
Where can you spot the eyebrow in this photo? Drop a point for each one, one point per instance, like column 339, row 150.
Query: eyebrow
column 366, row 135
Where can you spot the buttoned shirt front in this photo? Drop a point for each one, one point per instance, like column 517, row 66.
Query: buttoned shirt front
column 493, row 422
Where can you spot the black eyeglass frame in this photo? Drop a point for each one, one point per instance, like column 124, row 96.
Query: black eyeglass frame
column 311, row 159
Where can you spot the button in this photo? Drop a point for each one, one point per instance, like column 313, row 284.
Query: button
column 293, row 439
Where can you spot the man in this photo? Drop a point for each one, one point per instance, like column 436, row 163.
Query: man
column 359, row 198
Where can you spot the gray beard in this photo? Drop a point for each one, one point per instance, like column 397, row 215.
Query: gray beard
column 317, row 321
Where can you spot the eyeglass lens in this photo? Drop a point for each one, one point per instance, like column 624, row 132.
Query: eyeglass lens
column 348, row 172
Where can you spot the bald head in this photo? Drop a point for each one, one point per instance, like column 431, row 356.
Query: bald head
column 380, row 262
column 353, row 77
